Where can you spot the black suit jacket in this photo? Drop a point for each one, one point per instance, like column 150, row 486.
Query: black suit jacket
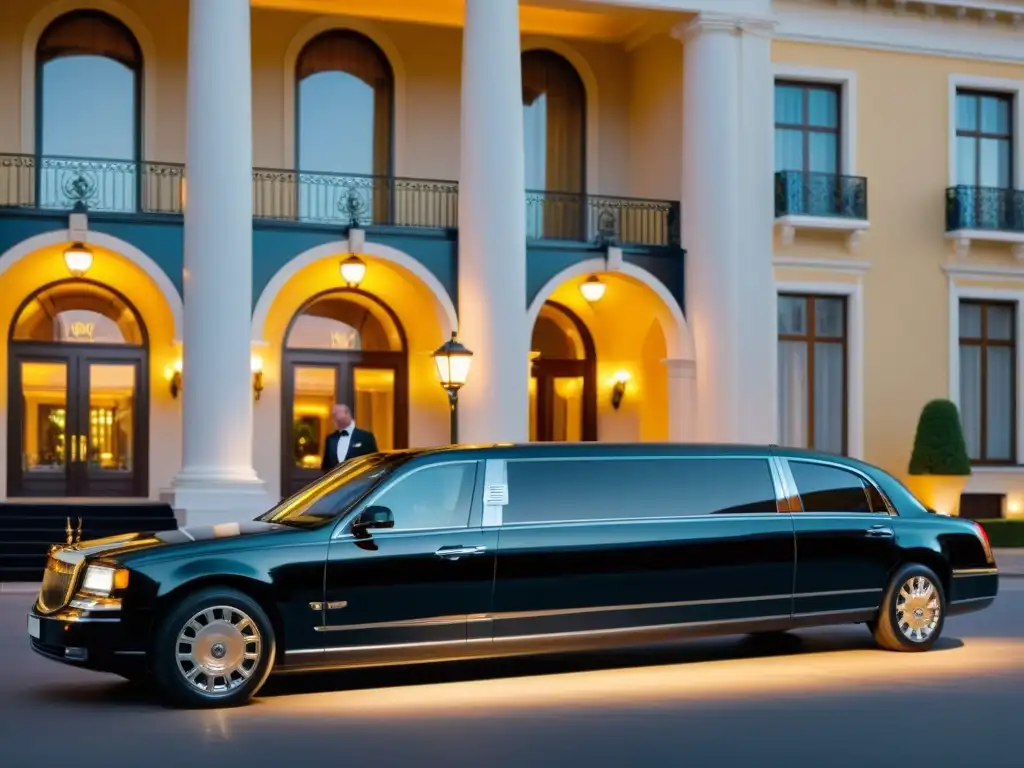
column 361, row 444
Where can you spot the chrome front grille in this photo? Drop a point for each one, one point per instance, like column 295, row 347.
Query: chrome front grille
column 58, row 583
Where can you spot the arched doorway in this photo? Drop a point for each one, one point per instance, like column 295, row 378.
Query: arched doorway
column 78, row 394
column 563, row 383
column 343, row 346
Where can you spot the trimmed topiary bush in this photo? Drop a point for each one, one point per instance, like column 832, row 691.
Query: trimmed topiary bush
column 939, row 447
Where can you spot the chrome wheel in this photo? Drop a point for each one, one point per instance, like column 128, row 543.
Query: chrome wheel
column 218, row 649
column 918, row 609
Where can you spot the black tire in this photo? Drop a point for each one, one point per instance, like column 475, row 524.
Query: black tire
column 232, row 637
column 913, row 628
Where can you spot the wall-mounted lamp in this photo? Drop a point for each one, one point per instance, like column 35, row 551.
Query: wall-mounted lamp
column 172, row 373
column 593, row 289
column 353, row 270
column 78, row 259
column 619, row 388
column 256, row 364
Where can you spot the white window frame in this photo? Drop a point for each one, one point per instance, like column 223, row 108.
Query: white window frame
column 962, row 238
column 978, row 293
column 853, row 292
column 846, row 79
column 1014, row 88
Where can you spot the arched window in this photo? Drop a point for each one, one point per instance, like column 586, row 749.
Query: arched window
column 89, row 85
column 78, row 312
column 554, row 122
column 88, row 106
column 344, row 113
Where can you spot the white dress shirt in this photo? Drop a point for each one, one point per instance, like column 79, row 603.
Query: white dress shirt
column 344, row 440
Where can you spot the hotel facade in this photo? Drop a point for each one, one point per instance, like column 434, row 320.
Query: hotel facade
column 647, row 219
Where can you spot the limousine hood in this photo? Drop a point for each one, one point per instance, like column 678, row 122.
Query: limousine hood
column 117, row 547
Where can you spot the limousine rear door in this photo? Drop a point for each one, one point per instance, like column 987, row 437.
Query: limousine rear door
column 597, row 546
column 408, row 591
column 845, row 540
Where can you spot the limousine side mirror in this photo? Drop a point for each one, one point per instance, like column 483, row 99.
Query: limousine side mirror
column 373, row 517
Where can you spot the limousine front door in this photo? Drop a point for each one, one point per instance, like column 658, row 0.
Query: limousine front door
column 596, row 546
column 409, row 590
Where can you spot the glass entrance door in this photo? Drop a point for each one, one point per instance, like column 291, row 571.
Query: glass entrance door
column 74, row 426
column 40, row 445
column 372, row 384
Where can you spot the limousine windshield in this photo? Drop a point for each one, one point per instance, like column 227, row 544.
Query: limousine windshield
column 335, row 492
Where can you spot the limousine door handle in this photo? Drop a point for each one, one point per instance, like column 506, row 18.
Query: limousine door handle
column 454, row 553
column 880, row 532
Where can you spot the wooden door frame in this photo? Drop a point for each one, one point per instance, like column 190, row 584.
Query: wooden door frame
column 545, row 369
column 76, row 357
column 343, row 362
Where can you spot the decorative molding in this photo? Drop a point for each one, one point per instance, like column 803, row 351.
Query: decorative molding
column 614, row 259
column 984, row 271
column 963, row 238
column 709, row 22
column 854, row 293
column 853, row 228
column 839, row 266
column 997, row 85
column 877, row 26
column 846, row 79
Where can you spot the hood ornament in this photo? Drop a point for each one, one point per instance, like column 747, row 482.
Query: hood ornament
column 74, row 538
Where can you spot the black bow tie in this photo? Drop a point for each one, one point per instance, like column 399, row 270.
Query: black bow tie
column 344, row 433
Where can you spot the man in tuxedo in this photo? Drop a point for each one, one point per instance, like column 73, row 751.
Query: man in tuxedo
column 348, row 441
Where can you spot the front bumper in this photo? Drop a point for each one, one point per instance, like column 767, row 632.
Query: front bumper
column 101, row 640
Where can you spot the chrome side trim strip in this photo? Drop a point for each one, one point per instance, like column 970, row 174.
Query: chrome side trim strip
column 439, row 621
column 580, row 633
column 959, row 573
column 972, row 600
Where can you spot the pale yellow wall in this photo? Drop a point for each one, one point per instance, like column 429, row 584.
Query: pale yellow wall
column 902, row 149
column 656, row 119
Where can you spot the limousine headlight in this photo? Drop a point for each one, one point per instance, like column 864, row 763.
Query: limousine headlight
column 103, row 580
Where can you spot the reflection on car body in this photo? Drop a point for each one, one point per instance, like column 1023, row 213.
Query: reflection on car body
column 476, row 551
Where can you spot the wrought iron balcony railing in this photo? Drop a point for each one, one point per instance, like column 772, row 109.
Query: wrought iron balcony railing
column 108, row 186
column 805, row 193
column 344, row 200
column 987, row 208
column 601, row 219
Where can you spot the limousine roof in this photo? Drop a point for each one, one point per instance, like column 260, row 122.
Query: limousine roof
column 564, row 450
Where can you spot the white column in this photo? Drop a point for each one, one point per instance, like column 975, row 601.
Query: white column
column 727, row 225
column 682, row 381
column 493, row 406
column 217, row 482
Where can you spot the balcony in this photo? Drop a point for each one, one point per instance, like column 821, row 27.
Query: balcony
column 121, row 187
column 820, row 202
column 985, row 214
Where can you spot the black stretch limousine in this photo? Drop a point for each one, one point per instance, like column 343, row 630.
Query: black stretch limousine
column 471, row 551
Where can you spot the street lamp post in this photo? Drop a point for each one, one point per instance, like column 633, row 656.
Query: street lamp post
column 453, row 361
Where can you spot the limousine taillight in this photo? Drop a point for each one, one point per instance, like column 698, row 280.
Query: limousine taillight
column 983, row 535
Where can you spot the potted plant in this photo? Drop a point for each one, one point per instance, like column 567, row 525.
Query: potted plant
column 939, row 465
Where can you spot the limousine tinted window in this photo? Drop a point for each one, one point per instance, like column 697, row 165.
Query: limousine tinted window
column 609, row 489
column 440, row 496
column 831, row 489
